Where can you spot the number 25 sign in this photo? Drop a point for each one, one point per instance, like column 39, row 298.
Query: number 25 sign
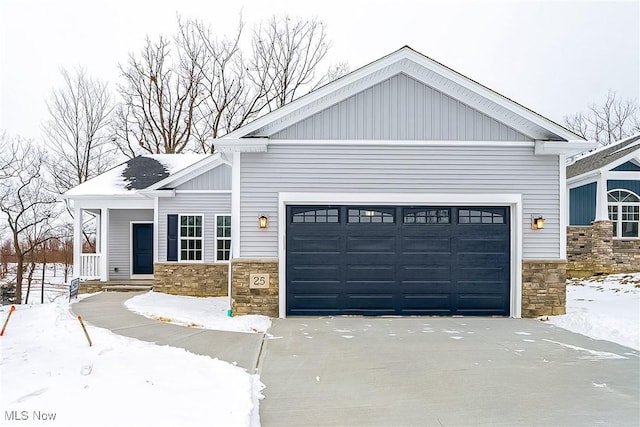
column 258, row 281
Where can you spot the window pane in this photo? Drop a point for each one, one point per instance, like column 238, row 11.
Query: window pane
column 371, row 216
column 315, row 215
column 480, row 216
column 629, row 229
column 426, row 216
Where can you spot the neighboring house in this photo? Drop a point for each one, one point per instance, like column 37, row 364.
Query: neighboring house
column 401, row 188
column 604, row 213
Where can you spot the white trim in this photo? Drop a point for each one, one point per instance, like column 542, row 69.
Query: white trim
column 236, row 145
column 112, row 202
column 77, row 242
column 619, row 206
column 602, row 207
column 169, row 192
column 514, row 201
column 562, row 147
column 139, row 276
column 247, row 145
column 235, row 205
column 201, row 238
column 104, row 244
column 215, row 237
column 203, row 191
column 564, row 211
column 156, row 232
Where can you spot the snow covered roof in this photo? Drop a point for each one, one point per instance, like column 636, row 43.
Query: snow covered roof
column 603, row 156
column 135, row 174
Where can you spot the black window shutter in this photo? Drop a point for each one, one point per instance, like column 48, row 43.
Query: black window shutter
column 172, row 237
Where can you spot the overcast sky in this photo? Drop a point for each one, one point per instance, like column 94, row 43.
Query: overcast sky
column 553, row 57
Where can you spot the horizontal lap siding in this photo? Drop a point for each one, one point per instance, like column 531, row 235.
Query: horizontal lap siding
column 401, row 108
column 120, row 239
column 384, row 169
column 208, row 205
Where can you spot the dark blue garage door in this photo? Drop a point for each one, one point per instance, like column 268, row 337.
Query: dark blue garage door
column 397, row 260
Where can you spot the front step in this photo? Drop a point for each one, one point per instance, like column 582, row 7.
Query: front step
column 127, row 288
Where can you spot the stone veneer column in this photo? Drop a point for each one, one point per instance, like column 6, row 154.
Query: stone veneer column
column 602, row 247
column 579, row 259
column 251, row 300
column 544, row 287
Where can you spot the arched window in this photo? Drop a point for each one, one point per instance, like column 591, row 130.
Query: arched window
column 624, row 212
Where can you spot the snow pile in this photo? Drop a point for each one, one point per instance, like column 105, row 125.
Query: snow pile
column 604, row 308
column 50, row 372
column 197, row 312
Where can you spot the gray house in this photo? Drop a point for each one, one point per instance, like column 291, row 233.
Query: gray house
column 401, row 188
column 604, row 210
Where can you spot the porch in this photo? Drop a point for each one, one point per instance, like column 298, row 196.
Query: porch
column 122, row 249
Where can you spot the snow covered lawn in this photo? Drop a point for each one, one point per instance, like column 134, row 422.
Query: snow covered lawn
column 196, row 312
column 48, row 371
column 604, row 308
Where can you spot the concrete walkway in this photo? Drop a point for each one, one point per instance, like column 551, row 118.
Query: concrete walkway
column 445, row 371
column 107, row 310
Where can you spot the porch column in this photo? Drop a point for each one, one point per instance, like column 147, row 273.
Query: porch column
column 103, row 231
column 77, row 242
column 602, row 210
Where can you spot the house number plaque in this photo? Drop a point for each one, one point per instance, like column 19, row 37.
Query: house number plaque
column 258, row 281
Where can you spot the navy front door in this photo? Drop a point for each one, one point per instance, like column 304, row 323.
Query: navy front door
column 398, row 260
column 142, row 251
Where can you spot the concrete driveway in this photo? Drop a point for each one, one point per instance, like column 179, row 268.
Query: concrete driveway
column 350, row 371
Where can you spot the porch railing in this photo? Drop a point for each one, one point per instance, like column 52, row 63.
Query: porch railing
column 90, row 266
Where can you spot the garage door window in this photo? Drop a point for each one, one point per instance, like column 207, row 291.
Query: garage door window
column 313, row 215
column 479, row 216
column 371, row 216
column 426, row 216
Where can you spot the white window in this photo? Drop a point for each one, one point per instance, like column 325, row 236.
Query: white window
column 223, row 237
column 624, row 212
column 190, row 237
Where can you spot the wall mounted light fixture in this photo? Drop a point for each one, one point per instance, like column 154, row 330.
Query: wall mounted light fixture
column 537, row 222
column 263, row 222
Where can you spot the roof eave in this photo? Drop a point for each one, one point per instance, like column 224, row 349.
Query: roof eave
column 562, row 147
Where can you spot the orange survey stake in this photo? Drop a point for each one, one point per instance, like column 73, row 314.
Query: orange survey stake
column 11, row 310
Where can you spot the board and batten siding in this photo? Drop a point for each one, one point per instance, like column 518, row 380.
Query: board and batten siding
column 119, row 243
column 208, row 205
column 218, row 178
column 398, row 169
column 401, row 108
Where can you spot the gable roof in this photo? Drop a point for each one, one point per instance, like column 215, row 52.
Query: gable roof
column 424, row 69
column 134, row 175
column 604, row 156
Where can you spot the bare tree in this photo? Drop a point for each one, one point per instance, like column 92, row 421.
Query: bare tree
column 25, row 200
column 229, row 98
column 180, row 99
column 159, row 99
column 611, row 121
column 77, row 129
column 286, row 56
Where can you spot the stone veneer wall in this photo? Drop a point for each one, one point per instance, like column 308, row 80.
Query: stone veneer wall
column 544, row 287
column 90, row 287
column 247, row 300
column 193, row 279
column 592, row 250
